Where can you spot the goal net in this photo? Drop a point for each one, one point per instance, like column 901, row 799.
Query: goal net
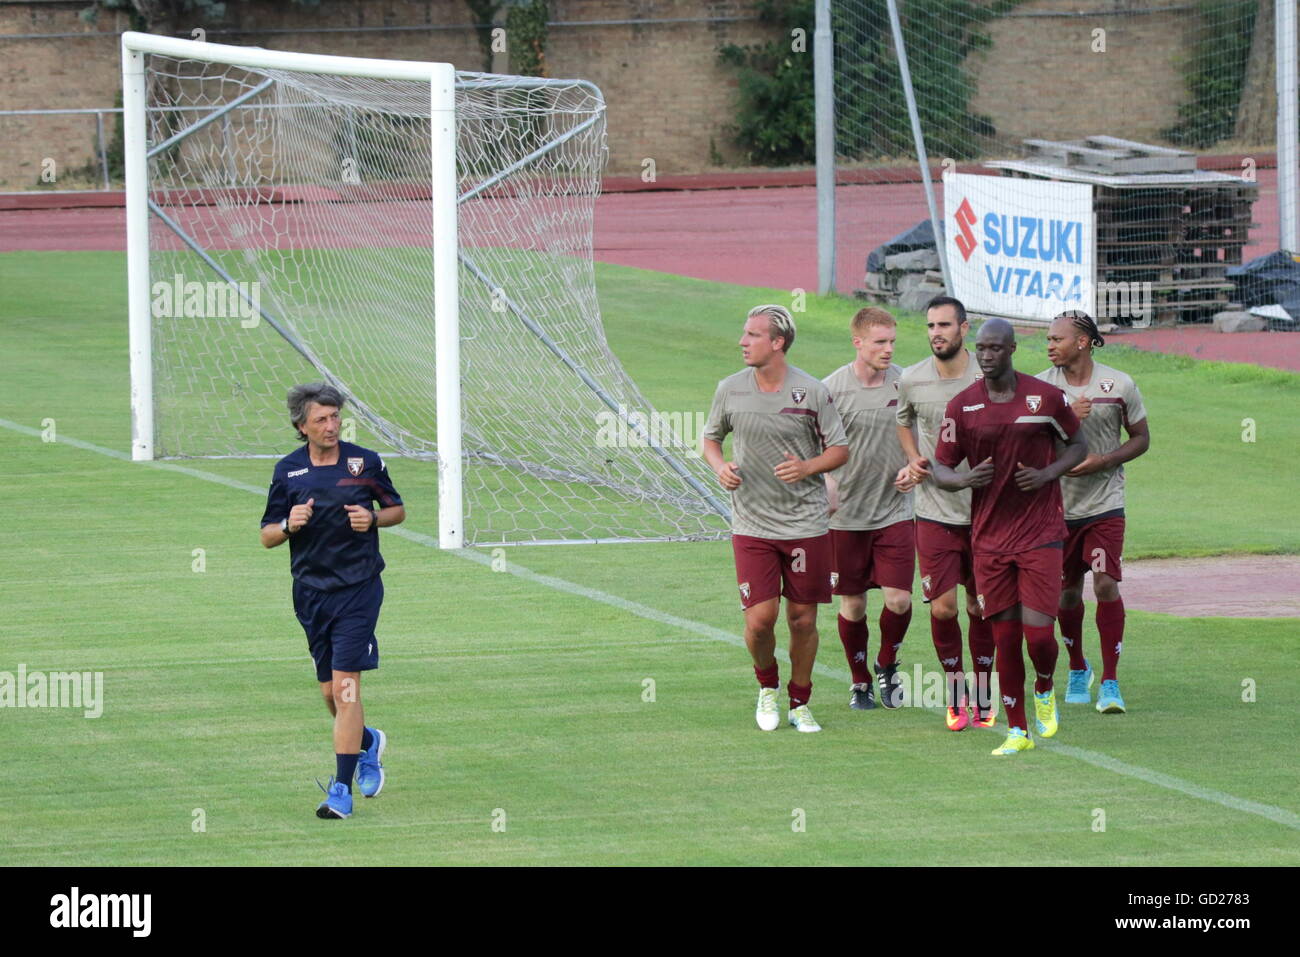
column 292, row 238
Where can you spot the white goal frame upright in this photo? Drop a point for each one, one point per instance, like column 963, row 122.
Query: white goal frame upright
column 444, row 84
column 441, row 78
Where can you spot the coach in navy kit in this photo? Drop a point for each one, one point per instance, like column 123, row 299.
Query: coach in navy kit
column 321, row 501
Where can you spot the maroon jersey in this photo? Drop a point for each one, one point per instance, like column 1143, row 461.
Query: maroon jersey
column 1025, row 430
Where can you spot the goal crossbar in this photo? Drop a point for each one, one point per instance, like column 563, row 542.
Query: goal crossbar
column 451, row 431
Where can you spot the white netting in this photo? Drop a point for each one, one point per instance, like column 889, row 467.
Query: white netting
column 315, row 190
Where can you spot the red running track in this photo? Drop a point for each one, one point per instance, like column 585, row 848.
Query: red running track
column 759, row 237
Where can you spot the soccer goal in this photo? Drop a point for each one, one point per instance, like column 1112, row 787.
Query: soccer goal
column 419, row 237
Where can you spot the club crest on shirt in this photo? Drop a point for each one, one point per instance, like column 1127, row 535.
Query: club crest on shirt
column 1033, row 402
column 744, row 591
column 835, row 579
column 798, row 395
column 925, row 584
column 356, row 466
column 1106, row 384
column 980, row 599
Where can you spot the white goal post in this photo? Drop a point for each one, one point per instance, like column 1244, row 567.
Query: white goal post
column 419, row 238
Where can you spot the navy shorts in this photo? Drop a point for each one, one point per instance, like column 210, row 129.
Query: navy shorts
column 340, row 625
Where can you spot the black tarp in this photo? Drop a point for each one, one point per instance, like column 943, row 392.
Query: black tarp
column 920, row 236
column 1265, row 280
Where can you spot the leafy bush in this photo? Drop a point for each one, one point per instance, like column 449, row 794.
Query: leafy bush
column 775, row 124
column 1214, row 73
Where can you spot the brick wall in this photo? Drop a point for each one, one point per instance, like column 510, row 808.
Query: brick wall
column 1041, row 78
column 668, row 99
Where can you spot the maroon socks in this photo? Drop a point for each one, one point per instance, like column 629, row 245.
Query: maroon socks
column 799, row 694
column 893, row 627
column 982, row 649
column 1110, row 627
column 1071, row 620
column 853, row 636
column 1011, row 671
column 1043, row 651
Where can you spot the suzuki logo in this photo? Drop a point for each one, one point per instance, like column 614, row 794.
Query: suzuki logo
column 965, row 217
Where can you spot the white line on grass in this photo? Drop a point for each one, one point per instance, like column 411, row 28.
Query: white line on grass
column 1096, row 759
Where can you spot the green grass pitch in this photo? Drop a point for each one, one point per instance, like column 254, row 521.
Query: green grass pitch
column 518, row 698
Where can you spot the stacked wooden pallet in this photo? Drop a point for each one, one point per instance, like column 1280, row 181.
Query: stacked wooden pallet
column 1159, row 220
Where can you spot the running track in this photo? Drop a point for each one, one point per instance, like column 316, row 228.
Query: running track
column 760, row 237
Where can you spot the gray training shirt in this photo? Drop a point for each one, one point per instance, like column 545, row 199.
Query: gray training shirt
column 868, row 498
column 922, row 402
column 799, row 419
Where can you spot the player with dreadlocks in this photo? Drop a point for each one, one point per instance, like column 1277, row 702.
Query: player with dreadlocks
column 1106, row 400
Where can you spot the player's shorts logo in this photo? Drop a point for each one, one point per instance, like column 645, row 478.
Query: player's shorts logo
column 744, row 591
column 798, row 395
column 925, row 584
column 1033, row 403
column 356, row 466
column 1106, row 384
column 835, row 579
column 980, row 599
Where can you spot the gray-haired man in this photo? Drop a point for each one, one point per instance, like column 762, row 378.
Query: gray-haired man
column 321, row 501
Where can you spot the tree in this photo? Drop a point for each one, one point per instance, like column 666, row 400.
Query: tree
column 1257, row 115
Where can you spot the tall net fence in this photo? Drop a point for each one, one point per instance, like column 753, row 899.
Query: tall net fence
column 1120, row 96
column 291, row 239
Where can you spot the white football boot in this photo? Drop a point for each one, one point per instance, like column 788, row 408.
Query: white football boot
column 802, row 719
column 768, row 714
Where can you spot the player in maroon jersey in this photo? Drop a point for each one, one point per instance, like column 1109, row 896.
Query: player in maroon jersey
column 1009, row 423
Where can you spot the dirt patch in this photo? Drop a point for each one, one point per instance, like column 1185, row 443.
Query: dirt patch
column 1227, row 586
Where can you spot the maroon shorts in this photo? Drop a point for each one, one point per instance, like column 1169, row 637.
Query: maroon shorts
column 798, row 568
column 944, row 554
column 1031, row 578
column 879, row 558
column 1095, row 546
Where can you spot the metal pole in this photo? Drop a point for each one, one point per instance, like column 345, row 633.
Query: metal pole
column 917, row 136
column 354, row 152
column 1288, row 133
column 226, row 153
column 99, row 139
column 210, row 118
column 824, row 88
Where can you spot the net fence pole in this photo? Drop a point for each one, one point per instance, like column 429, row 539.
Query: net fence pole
column 99, row 147
column 905, row 74
column 139, row 341
column 1288, row 133
column 824, row 115
column 446, row 308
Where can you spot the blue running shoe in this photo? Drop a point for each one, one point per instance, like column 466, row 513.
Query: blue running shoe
column 1079, row 690
column 338, row 800
column 370, row 769
column 1108, row 699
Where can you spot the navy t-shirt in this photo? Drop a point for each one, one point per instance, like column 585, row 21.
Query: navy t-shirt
column 326, row 553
